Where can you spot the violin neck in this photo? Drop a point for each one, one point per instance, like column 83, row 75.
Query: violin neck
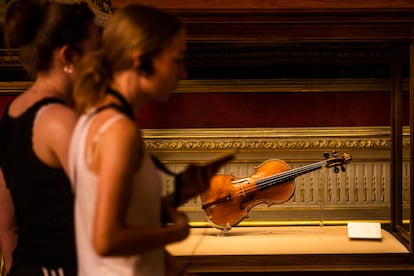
column 288, row 175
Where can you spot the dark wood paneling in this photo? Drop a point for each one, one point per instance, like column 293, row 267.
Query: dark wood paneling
column 301, row 264
column 272, row 4
column 286, row 21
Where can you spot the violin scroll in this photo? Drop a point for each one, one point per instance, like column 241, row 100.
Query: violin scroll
column 335, row 161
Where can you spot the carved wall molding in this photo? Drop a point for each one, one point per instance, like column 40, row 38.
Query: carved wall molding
column 256, row 85
column 286, row 85
column 262, row 140
column 265, row 144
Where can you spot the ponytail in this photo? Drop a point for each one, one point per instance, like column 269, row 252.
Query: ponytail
column 92, row 80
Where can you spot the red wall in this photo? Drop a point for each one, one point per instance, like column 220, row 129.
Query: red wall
column 216, row 110
column 3, row 102
column 236, row 110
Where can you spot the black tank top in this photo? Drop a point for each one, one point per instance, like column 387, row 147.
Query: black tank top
column 42, row 195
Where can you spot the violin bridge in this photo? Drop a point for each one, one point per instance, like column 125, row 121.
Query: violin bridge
column 241, row 181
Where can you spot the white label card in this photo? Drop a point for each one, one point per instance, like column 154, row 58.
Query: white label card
column 364, row 230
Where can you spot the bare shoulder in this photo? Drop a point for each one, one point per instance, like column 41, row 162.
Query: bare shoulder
column 54, row 125
column 119, row 144
column 123, row 129
column 56, row 111
column 56, row 116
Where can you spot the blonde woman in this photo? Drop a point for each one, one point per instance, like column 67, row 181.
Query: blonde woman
column 119, row 226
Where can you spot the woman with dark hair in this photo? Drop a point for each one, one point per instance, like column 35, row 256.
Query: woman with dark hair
column 36, row 199
column 118, row 206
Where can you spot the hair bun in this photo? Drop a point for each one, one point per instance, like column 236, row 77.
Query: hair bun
column 22, row 20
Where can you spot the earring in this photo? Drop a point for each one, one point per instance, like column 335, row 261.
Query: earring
column 68, row 69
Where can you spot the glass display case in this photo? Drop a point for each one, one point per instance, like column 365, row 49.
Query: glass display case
column 322, row 88
column 292, row 82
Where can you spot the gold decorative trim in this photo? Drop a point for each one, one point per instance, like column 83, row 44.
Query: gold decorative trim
column 14, row 88
column 286, row 85
column 264, row 139
column 250, row 85
column 10, row 57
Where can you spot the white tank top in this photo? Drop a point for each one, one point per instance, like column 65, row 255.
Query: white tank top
column 144, row 209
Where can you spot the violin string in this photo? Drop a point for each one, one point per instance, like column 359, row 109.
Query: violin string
column 281, row 177
column 284, row 176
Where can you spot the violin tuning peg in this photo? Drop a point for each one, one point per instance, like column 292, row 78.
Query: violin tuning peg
column 336, row 170
column 342, row 168
column 335, row 153
column 326, row 155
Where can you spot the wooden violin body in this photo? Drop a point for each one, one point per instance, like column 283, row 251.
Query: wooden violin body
column 228, row 200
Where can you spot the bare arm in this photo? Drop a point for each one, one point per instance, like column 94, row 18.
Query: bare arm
column 52, row 134
column 115, row 166
column 8, row 237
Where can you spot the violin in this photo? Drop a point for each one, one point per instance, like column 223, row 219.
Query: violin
column 228, row 200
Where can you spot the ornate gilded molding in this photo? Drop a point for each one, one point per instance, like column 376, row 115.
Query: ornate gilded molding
column 265, row 145
column 247, row 85
column 286, row 85
column 262, row 140
column 9, row 57
column 13, row 88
